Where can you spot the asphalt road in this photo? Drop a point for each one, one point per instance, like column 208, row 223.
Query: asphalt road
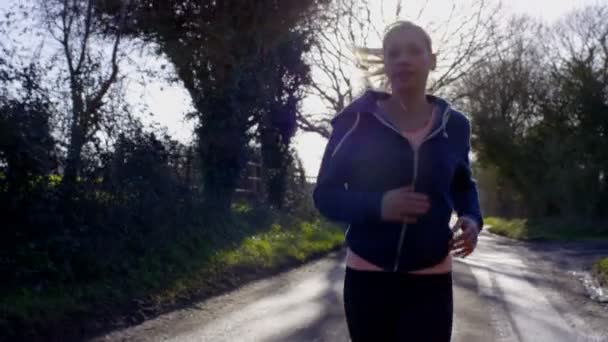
column 505, row 291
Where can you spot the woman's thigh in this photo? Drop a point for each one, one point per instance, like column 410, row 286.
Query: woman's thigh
column 426, row 308
column 370, row 305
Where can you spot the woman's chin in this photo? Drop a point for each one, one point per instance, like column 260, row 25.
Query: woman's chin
column 404, row 85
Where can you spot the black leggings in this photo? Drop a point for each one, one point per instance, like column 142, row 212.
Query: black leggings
column 386, row 306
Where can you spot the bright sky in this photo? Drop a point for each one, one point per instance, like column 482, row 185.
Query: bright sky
column 167, row 104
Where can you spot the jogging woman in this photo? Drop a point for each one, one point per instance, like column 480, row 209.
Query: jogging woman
column 395, row 168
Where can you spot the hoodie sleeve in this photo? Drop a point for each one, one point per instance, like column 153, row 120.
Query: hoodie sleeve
column 464, row 188
column 331, row 195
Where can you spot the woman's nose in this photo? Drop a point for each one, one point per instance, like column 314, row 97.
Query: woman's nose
column 402, row 62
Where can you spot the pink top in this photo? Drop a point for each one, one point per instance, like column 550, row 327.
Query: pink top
column 415, row 138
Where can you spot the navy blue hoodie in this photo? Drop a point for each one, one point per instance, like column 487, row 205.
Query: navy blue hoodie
column 366, row 156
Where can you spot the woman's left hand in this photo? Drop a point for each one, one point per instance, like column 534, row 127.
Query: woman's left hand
column 465, row 243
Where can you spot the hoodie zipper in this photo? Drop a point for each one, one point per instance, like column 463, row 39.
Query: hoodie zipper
column 444, row 117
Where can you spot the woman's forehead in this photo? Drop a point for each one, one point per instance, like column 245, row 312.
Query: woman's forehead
column 405, row 36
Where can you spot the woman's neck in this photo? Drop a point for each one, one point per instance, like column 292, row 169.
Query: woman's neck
column 414, row 100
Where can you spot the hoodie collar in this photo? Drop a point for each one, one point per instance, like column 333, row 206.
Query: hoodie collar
column 367, row 103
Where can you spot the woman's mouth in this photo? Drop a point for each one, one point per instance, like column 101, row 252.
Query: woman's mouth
column 404, row 75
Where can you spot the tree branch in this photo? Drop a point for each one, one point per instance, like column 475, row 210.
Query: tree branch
column 87, row 31
column 94, row 103
column 316, row 127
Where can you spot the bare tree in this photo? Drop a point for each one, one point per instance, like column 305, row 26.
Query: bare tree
column 582, row 35
column 346, row 24
column 89, row 69
column 463, row 39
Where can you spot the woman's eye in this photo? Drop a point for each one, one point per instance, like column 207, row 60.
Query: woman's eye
column 411, row 50
column 414, row 50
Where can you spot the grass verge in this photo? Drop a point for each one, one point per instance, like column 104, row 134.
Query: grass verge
column 600, row 271
column 554, row 229
column 188, row 267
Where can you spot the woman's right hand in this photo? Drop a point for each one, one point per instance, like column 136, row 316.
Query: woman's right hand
column 404, row 205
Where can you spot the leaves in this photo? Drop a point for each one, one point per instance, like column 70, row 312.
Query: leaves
column 541, row 120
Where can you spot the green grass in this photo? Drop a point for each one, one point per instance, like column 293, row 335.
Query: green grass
column 278, row 245
column 190, row 265
column 547, row 229
column 600, row 271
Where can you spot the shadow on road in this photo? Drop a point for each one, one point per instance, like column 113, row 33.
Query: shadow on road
column 330, row 324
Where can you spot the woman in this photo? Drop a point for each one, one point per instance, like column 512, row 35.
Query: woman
column 394, row 168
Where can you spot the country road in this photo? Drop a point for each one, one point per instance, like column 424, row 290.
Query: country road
column 506, row 291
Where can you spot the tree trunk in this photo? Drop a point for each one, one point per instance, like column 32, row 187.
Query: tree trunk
column 276, row 159
column 222, row 140
column 73, row 161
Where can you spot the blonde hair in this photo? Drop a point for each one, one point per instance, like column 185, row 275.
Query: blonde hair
column 371, row 60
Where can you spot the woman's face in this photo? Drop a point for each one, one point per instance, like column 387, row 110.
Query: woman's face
column 407, row 59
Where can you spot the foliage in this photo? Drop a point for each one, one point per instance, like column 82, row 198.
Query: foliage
column 559, row 229
column 192, row 263
column 225, row 53
column 26, row 146
column 285, row 75
column 540, row 111
column 99, row 209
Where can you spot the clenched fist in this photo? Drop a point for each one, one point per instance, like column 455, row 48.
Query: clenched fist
column 404, row 205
